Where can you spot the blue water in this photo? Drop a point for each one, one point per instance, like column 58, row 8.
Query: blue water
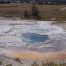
column 34, row 38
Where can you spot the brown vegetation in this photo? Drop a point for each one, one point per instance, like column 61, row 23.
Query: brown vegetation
column 47, row 12
column 0, row 62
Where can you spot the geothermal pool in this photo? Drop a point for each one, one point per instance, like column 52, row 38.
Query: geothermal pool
column 31, row 36
column 34, row 38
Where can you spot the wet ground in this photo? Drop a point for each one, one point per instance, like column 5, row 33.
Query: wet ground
column 31, row 36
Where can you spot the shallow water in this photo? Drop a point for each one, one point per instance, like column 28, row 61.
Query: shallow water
column 34, row 38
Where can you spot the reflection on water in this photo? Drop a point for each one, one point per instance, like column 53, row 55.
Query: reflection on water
column 34, row 38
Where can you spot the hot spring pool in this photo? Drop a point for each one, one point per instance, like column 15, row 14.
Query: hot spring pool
column 34, row 38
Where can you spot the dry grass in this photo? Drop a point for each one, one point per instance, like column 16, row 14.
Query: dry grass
column 47, row 12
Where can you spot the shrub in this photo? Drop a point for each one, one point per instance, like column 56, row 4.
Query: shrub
column 35, row 12
column 0, row 62
column 43, row 64
column 34, row 64
column 17, row 60
column 9, row 65
column 26, row 14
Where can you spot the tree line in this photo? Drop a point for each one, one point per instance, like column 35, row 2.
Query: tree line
column 41, row 2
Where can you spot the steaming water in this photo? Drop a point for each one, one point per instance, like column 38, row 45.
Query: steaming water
column 41, row 36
